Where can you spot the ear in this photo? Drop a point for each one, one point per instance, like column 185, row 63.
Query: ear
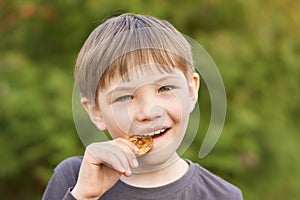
column 93, row 112
column 194, row 84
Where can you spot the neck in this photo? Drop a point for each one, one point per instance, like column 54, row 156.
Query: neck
column 159, row 177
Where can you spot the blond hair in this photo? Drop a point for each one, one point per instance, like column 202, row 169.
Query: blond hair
column 128, row 41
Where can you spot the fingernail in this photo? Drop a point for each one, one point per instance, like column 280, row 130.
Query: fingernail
column 128, row 172
column 135, row 163
column 136, row 149
column 122, row 170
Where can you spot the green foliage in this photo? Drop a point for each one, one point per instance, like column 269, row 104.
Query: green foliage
column 255, row 44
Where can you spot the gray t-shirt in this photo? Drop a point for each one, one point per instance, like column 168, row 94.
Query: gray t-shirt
column 197, row 184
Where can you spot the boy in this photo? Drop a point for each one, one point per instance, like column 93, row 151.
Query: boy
column 137, row 81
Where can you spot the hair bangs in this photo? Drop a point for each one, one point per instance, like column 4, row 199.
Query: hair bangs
column 164, row 61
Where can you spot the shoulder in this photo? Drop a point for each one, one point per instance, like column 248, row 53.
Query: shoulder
column 213, row 186
column 68, row 169
column 64, row 177
column 71, row 163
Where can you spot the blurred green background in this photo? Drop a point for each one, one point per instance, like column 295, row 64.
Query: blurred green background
column 255, row 44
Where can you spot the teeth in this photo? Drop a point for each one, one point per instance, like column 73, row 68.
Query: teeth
column 155, row 132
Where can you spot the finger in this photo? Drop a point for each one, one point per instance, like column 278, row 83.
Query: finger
column 123, row 160
column 110, row 155
column 127, row 147
column 124, row 155
column 114, row 163
column 98, row 159
column 132, row 146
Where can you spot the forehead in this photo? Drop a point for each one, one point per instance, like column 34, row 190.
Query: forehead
column 148, row 73
column 145, row 75
column 144, row 61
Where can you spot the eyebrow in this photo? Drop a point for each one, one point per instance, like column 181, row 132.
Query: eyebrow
column 130, row 88
column 119, row 89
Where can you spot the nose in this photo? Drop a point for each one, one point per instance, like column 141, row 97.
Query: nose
column 148, row 110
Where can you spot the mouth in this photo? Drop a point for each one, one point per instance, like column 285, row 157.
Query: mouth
column 155, row 134
column 145, row 141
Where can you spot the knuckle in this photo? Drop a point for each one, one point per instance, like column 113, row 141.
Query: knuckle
column 116, row 141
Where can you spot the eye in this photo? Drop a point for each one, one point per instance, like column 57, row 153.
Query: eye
column 166, row 88
column 124, row 98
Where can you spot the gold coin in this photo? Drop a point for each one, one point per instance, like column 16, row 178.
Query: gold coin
column 144, row 143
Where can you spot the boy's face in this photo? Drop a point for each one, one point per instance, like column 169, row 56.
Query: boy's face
column 152, row 103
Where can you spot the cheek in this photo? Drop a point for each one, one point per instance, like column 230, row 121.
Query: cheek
column 178, row 106
column 174, row 110
column 120, row 119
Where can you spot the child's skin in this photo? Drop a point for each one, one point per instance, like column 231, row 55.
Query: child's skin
column 150, row 101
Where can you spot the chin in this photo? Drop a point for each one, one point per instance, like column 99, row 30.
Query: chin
column 160, row 156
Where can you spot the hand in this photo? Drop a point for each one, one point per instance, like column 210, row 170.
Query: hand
column 102, row 166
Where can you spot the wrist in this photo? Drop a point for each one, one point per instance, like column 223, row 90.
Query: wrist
column 78, row 196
